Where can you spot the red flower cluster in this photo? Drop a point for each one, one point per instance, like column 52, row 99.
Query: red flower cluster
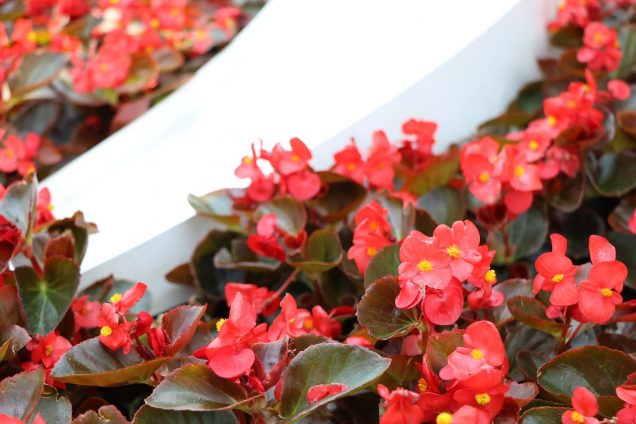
column 377, row 169
column 270, row 239
column 601, row 51
column 116, row 332
column 18, row 155
column 519, row 168
column 45, row 352
column 292, row 173
column 576, row 12
column 471, row 389
column 597, row 294
column 432, row 270
column 371, row 234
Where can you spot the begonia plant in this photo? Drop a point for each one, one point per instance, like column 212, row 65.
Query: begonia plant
column 492, row 283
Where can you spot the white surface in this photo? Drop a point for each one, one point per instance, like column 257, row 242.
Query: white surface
column 319, row 70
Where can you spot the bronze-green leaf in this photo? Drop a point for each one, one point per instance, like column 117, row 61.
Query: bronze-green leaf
column 90, row 363
column 440, row 345
column 180, row 325
column 20, row 393
column 378, row 313
column 542, row 415
column 382, row 264
column 533, row 313
column 325, row 363
column 290, row 213
column 195, row 388
column 47, row 298
column 322, row 252
column 149, row 415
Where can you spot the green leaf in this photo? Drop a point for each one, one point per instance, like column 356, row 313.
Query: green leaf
column 90, row 363
column 510, row 288
column 567, row 37
column 527, row 233
column 505, row 123
column 622, row 213
column 529, row 100
column 290, row 213
column 322, row 252
column 148, row 415
column 217, row 205
column 327, row 363
column 143, row 71
column 378, row 313
column 543, row 415
column 9, row 308
column 18, row 204
column 37, row 69
column 195, row 388
column 614, row 173
column 598, row 369
column 12, row 339
column 330, row 204
column 107, row 414
column 435, row 173
column 440, row 345
column 53, row 409
column 383, row 264
column 565, row 193
column 445, row 205
column 241, row 257
column 627, row 38
column 625, row 246
column 401, row 216
column 180, row 324
column 531, row 312
column 79, row 228
column 19, row 394
column 46, row 299
column 208, row 278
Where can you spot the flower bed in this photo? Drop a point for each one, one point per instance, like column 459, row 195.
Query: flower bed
column 74, row 71
column 491, row 283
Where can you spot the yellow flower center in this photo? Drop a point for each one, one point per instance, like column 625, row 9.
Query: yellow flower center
column 598, row 37
column 103, row 67
column 219, row 324
column 10, row 153
column 477, row 354
column 453, row 251
column 351, row 166
column 50, row 207
column 519, row 171
column 48, row 350
column 247, row 160
column 482, row 399
column 32, row 36
column 551, row 120
column 484, row 177
column 558, row 278
column 106, row 331
column 490, row 276
column 308, row 324
column 444, row 418
column 422, row 385
column 374, row 226
column 372, row 251
column 533, row 145
column 571, row 104
column 577, row 417
column 115, row 298
column 606, row 292
column 425, row 266
column 295, row 158
column 154, row 23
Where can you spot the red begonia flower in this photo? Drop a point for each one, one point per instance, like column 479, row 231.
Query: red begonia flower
column 424, row 262
column 291, row 321
column 320, row 391
column 555, row 273
column 600, row 292
column 444, row 307
column 262, row 299
column 585, row 408
column 619, row 89
column 576, row 12
column 10, row 241
column 518, row 202
column 462, row 245
column 49, row 349
column 303, row 185
column 349, row 162
column 482, row 350
column 601, row 50
column 382, row 156
column 372, row 218
column 482, row 177
column 230, row 354
column 601, row 250
column 44, row 207
column 85, row 312
column 365, row 246
column 126, row 301
column 287, row 162
column 484, row 391
column 423, row 133
column 400, row 406
column 112, row 333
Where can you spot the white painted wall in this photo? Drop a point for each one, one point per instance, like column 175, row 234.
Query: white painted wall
column 320, row 70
